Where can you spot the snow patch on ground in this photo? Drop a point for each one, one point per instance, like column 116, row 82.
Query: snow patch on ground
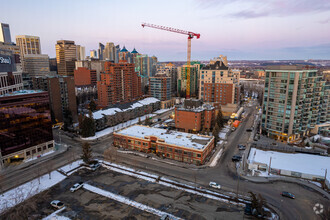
column 216, row 158
column 114, row 128
column 126, row 201
column 71, row 166
column 54, row 215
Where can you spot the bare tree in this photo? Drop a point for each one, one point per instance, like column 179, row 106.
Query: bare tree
column 50, row 168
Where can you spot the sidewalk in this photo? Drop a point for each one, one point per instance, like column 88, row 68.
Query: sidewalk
column 9, row 169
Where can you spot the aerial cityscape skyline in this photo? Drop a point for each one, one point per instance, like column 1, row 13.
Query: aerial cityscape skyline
column 241, row 30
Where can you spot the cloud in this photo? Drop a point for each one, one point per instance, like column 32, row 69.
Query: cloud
column 326, row 21
column 258, row 8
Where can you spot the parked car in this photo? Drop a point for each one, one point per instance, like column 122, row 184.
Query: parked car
column 94, row 166
column 236, row 158
column 214, row 185
column 241, row 147
column 287, row 194
column 249, row 129
column 57, row 204
column 76, row 186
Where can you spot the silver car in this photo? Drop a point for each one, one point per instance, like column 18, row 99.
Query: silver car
column 76, row 186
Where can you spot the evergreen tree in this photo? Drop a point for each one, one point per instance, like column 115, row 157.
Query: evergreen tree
column 139, row 122
column 92, row 105
column 215, row 133
column 208, row 131
column 87, row 127
column 86, row 152
column 219, row 119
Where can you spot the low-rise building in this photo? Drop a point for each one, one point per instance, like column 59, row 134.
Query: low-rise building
column 25, row 125
column 180, row 146
column 123, row 112
column 194, row 116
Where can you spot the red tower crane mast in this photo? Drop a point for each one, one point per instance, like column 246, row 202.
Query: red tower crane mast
column 191, row 35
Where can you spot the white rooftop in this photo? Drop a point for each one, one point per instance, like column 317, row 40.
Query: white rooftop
column 171, row 137
column 298, row 162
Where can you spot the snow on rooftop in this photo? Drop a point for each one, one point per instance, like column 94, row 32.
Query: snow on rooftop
column 171, row 137
column 148, row 101
column 303, row 163
column 21, row 92
column 111, row 111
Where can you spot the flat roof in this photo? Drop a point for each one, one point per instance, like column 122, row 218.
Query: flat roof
column 181, row 139
column 21, row 92
column 297, row 162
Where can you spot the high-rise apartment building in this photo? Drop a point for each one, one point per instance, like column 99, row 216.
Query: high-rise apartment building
column 125, row 55
column 25, row 125
column 219, row 85
column 81, row 54
column 160, row 86
column 100, row 51
column 28, row 44
column 93, row 54
column 66, row 55
column 145, row 65
column 109, row 52
column 61, row 92
column 292, row 101
column 5, row 33
column 182, row 78
column 36, row 64
column 171, row 71
column 119, row 84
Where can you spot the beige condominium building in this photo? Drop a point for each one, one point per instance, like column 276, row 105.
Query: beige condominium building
column 219, row 85
column 66, row 55
column 292, row 104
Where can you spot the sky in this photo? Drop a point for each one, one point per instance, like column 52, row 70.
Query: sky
column 238, row 29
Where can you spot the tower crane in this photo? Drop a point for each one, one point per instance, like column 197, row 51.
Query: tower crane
column 191, row 35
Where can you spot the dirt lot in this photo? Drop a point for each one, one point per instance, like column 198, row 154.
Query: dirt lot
column 84, row 204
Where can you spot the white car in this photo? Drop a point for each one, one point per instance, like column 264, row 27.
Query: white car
column 57, row 204
column 215, row 185
column 76, row 186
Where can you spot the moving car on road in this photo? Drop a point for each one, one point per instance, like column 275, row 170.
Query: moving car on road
column 241, row 147
column 287, row 194
column 214, row 185
column 236, row 158
column 57, row 204
column 76, row 186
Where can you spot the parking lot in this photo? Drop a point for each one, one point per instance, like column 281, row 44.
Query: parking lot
column 84, row 204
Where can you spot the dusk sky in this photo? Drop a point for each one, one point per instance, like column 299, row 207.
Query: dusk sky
column 240, row 29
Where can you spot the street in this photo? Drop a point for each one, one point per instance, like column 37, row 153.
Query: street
column 223, row 173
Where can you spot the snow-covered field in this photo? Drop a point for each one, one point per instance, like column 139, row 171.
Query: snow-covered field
column 114, row 128
column 298, row 162
column 126, row 201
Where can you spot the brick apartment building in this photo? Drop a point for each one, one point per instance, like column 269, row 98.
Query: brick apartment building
column 194, row 116
column 84, row 77
column 219, row 85
column 185, row 147
column 119, row 84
